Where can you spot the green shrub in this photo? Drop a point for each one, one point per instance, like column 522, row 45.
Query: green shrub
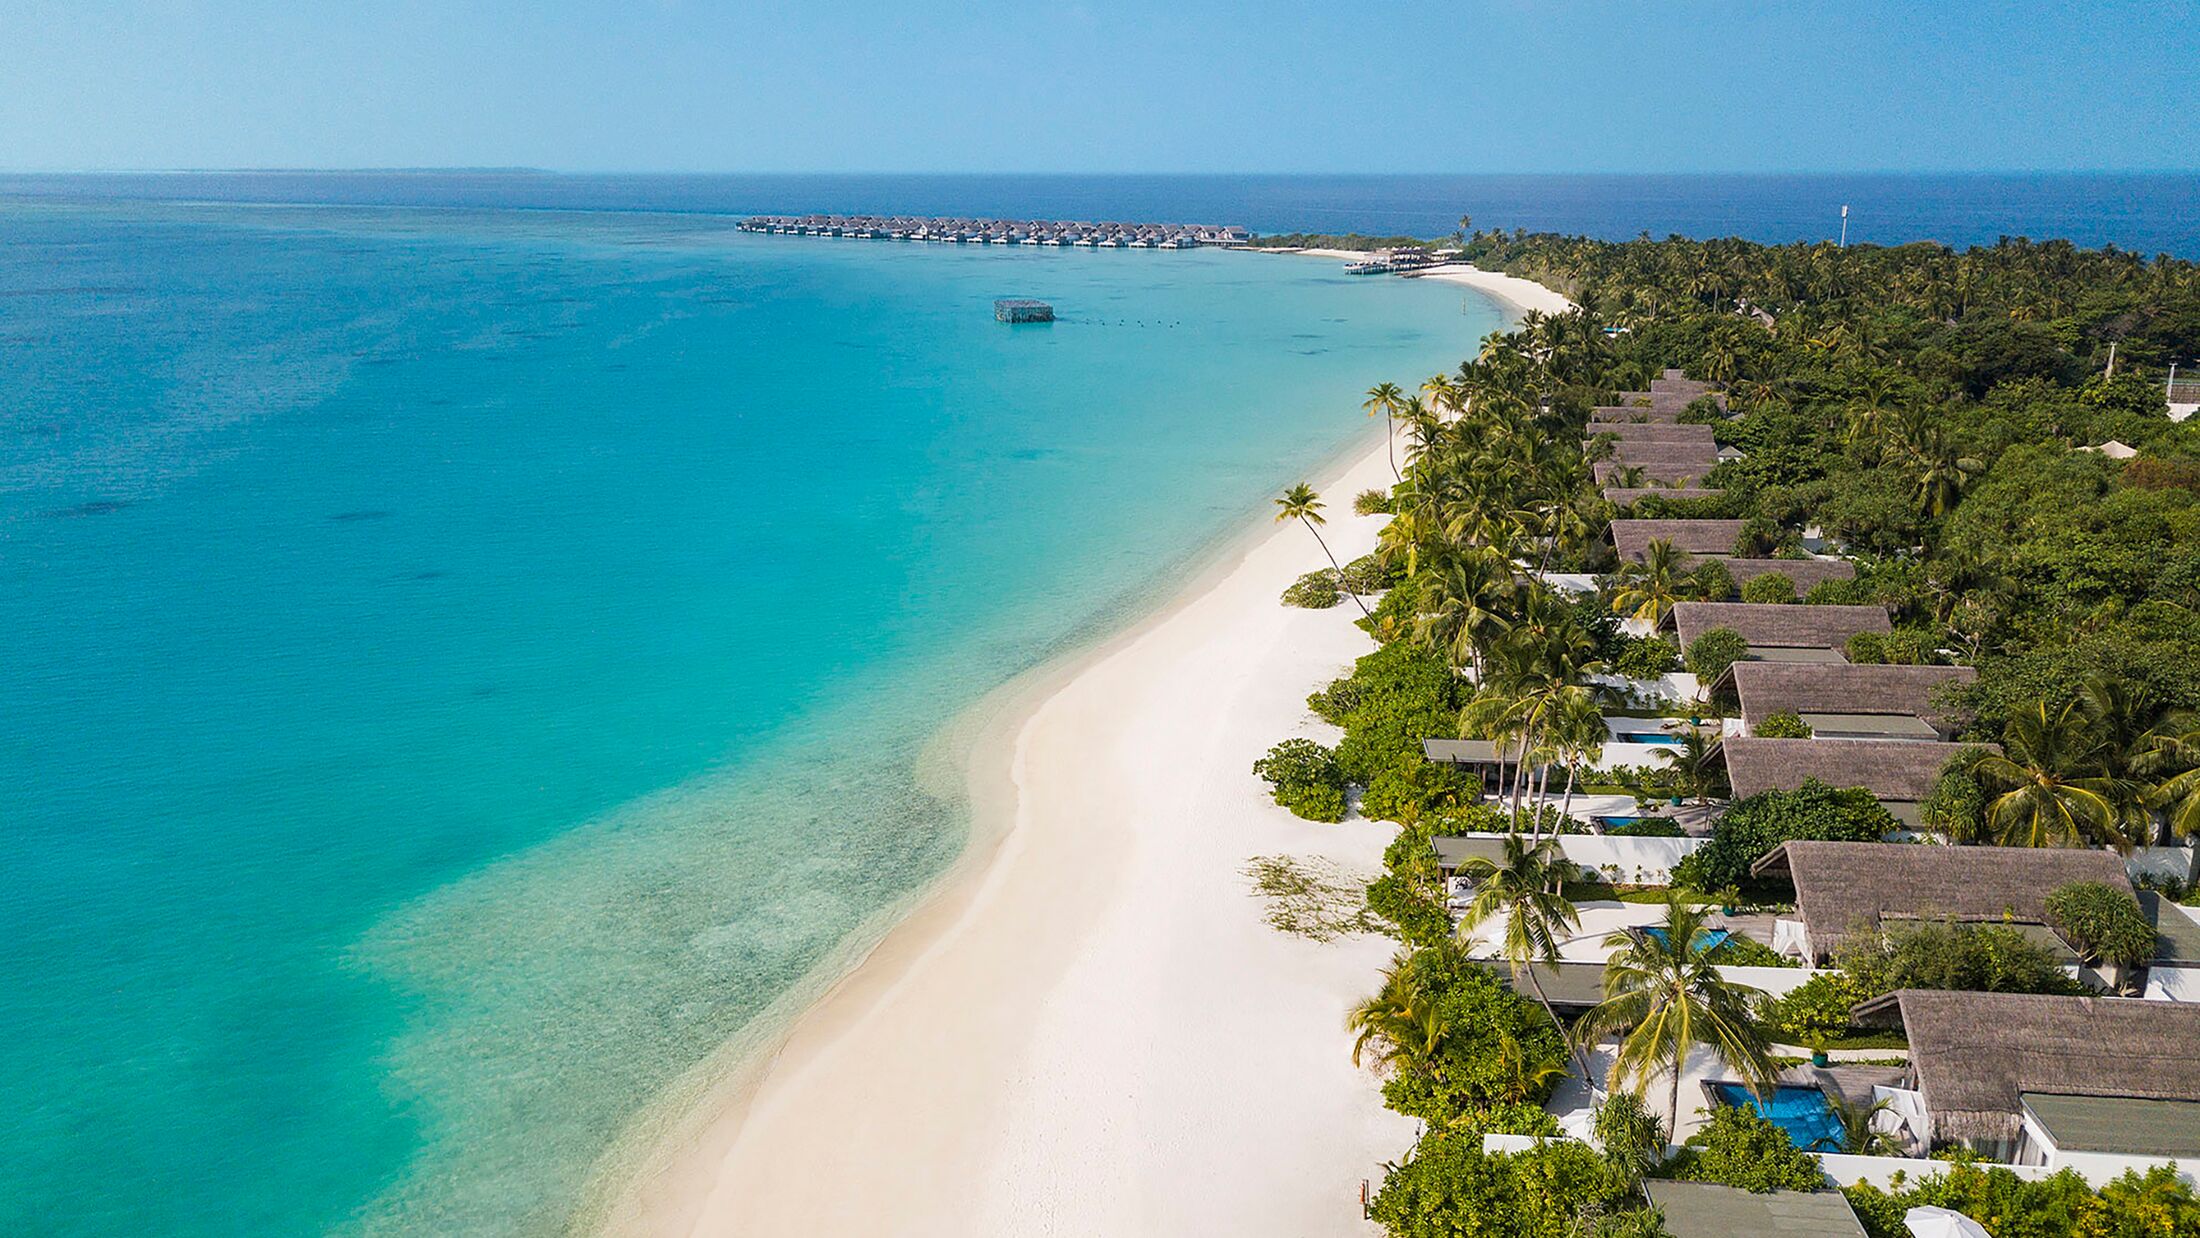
column 2156, row 1204
column 1740, row 951
column 1710, row 654
column 1648, row 827
column 1783, row 725
column 1816, row 1010
column 1866, row 649
column 2103, row 922
column 1395, row 698
column 1303, row 776
column 1633, row 1138
column 1956, row 806
column 1712, row 581
column 1497, row 1047
column 1369, row 574
column 1738, row 1148
column 1449, row 1188
column 1645, row 657
column 1770, row 587
column 1314, row 591
column 1411, row 909
column 1984, row 958
column 1372, row 503
column 1754, row 826
column 1839, row 593
column 1411, row 786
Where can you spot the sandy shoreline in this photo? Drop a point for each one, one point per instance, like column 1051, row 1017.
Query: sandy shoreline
column 1088, row 1027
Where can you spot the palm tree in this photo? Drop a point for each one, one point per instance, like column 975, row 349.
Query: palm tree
column 1300, row 503
column 2058, row 794
column 1387, row 399
column 1399, row 1023
column 1464, row 606
column 1663, row 993
column 1857, row 1136
column 2176, row 744
column 1526, row 889
column 1695, row 767
column 1648, row 589
column 1579, row 734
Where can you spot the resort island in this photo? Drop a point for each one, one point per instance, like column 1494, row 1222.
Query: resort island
column 1726, row 760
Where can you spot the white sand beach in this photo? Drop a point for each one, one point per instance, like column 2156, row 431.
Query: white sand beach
column 1521, row 294
column 1090, row 1028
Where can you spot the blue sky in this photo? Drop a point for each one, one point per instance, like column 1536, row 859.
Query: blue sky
column 1120, row 85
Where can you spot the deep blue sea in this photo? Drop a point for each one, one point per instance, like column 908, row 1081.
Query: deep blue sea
column 2147, row 212
column 458, row 666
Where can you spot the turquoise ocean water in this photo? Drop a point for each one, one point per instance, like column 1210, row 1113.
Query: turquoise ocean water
column 458, row 666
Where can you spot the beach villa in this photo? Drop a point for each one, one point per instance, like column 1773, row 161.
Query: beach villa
column 1843, row 889
column 1841, row 701
column 1623, row 496
column 1778, row 632
column 1899, row 773
column 2095, row 1084
column 1715, row 539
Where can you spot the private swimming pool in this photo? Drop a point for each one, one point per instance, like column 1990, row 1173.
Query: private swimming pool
column 1712, row 938
column 1803, row 1112
column 1648, row 737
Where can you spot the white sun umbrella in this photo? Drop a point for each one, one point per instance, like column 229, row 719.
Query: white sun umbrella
column 1942, row 1223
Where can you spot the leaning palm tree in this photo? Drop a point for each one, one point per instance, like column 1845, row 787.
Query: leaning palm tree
column 1664, row 996
column 1387, row 399
column 2057, row 792
column 1300, row 503
column 1649, row 589
column 1398, row 1024
column 1527, row 889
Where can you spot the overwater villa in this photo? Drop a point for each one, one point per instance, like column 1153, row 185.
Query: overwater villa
column 2099, row 1085
column 1841, row 701
column 1842, row 889
column 1899, row 773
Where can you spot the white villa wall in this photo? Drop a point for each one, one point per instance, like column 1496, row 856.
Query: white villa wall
column 1775, row 981
column 1880, row 1171
column 2173, row 984
column 2159, row 863
column 2100, row 1168
column 1641, row 861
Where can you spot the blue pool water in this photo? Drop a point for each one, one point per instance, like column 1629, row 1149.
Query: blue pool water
column 1711, row 939
column 1803, row 1112
column 1648, row 737
column 461, row 666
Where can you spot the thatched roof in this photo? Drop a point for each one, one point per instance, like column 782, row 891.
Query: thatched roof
column 1767, row 688
column 1657, row 432
column 1975, row 1055
column 1776, row 625
column 1898, row 770
column 1804, row 572
column 1843, row 888
column 1618, row 414
column 1653, row 472
column 1624, row 495
column 1632, row 538
column 1647, row 454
